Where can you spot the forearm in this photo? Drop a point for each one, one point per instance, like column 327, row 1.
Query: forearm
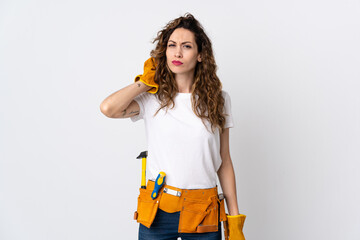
column 120, row 100
column 228, row 184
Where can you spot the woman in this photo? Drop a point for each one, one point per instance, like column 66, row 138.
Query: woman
column 187, row 117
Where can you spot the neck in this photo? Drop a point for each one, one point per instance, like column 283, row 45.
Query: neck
column 184, row 82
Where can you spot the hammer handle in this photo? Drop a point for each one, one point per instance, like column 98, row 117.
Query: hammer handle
column 143, row 173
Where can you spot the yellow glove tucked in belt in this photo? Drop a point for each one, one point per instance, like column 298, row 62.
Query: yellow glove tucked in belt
column 235, row 226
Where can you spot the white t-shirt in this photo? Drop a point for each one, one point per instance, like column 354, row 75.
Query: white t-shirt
column 178, row 142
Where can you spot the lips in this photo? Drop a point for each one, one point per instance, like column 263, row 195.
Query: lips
column 177, row 63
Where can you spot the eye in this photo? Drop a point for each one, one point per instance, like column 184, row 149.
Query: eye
column 188, row 46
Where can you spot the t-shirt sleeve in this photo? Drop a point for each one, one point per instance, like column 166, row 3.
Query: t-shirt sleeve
column 141, row 99
column 229, row 121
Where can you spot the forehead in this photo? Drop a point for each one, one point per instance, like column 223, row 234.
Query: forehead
column 182, row 35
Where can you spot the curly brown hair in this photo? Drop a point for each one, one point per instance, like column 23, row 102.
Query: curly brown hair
column 209, row 105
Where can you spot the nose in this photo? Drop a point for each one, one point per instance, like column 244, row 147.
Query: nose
column 178, row 52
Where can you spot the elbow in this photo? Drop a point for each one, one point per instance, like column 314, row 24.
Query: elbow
column 105, row 110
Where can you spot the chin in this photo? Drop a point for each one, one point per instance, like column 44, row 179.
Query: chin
column 178, row 72
column 175, row 71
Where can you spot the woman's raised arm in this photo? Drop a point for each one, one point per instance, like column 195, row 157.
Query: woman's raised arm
column 120, row 104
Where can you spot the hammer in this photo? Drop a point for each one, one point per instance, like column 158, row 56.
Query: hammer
column 143, row 155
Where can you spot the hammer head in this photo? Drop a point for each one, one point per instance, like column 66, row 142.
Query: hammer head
column 142, row 155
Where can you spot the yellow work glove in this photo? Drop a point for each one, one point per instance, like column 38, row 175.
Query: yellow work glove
column 148, row 77
column 235, row 226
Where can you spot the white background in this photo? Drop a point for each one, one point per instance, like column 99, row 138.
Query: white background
column 291, row 68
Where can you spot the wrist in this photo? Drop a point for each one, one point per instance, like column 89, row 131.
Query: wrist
column 233, row 210
column 234, row 213
column 148, row 87
column 142, row 84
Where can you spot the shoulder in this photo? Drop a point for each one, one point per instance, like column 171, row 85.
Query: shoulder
column 225, row 94
column 146, row 94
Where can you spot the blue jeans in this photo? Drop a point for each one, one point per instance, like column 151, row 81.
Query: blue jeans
column 165, row 227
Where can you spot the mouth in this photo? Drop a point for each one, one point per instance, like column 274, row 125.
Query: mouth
column 177, row 63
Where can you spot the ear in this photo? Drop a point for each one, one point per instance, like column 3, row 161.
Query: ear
column 199, row 58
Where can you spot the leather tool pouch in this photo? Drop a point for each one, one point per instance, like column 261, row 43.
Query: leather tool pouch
column 192, row 214
column 211, row 220
column 200, row 216
column 146, row 207
column 170, row 203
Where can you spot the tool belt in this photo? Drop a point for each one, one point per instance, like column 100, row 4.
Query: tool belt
column 201, row 210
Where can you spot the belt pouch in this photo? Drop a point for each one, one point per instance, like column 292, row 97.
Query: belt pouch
column 146, row 208
column 170, row 203
column 211, row 220
column 192, row 214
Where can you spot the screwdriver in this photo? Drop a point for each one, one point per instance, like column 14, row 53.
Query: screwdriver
column 158, row 184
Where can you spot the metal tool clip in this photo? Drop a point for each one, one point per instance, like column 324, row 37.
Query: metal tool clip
column 221, row 196
column 172, row 192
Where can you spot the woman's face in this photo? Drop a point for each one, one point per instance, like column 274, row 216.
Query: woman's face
column 182, row 48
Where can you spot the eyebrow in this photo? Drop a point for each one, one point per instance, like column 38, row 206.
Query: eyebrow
column 183, row 42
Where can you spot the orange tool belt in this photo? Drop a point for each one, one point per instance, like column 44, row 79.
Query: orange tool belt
column 201, row 210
